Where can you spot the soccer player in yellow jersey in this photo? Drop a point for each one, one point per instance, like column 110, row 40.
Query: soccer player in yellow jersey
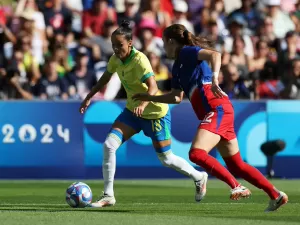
column 136, row 75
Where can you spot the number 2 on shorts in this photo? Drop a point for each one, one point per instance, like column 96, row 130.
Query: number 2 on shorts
column 207, row 118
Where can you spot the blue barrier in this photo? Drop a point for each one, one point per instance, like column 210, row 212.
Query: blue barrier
column 52, row 140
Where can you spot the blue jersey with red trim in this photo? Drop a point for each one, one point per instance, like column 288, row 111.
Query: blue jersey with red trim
column 194, row 77
column 188, row 71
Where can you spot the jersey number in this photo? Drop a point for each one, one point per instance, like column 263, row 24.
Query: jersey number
column 156, row 126
column 207, row 118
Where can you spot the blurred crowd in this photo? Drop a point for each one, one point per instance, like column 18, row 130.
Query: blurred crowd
column 58, row 49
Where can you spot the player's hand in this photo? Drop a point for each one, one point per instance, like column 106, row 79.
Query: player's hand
column 14, row 81
column 216, row 90
column 84, row 105
column 138, row 111
column 141, row 97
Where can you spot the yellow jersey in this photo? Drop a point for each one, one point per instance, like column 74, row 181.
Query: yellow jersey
column 133, row 72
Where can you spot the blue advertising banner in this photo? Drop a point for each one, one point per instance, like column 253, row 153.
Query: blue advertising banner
column 283, row 122
column 250, row 121
column 53, row 140
column 37, row 135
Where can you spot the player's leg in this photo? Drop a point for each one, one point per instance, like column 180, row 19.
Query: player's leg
column 169, row 159
column 125, row 126
column 119, row 133
column 204, row 141
column 231, row 155
column 159, row 131
column 208, row 136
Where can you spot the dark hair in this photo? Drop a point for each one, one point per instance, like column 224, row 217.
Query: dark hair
column 108, row 23
column 50, row 59
column 184, row 37
column 124, row 29
column 238, row 38
column 257, row 45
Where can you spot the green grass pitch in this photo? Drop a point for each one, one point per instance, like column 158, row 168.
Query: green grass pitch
column 143, row 202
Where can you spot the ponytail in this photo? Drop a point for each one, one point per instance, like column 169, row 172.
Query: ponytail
column 124, row 29
column 184, row 37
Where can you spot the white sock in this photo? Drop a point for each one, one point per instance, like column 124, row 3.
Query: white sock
column 179, row 164
column 111, row 144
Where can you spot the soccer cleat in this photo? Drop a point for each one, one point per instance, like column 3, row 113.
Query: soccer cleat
column 274, row 204
column 240, row 192
column 104, row 201
column 201, row 188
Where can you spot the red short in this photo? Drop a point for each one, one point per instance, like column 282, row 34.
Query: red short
column 220, row 120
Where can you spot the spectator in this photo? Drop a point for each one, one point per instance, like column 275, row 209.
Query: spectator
column 84, row 41
column 6, row 36
column 291, row 81
column 63, row 59
column 268, row 86
column 30, row 63
column 130, row 13
column 282, row 23
column 53, row 87
column 201, row 25
column 257, row 64
column 214, row 35
column 218, row 14
column 296, row 16
column 249, row 14
column 28, row 10
column 265, row 32
column 93, row 52
column 76, row 8
column 290, row 53
column 196, row 5
column 160, row 71
column 93, row 19
column 3, row 85
column 150, row 10
column 88, row 4
column 19, row 84
column 147, row 41
column 104, row 41
column 238, row 56
column 58, row 18
column 81, row 78
column 180, row 15
column 236, row 25
column 233, row 84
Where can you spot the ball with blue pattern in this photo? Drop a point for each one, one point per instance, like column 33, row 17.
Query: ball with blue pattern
column 79, row 195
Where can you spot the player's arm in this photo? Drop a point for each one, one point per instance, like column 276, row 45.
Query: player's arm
column 105, row 78
column 173, row 97
column 152, row 89
column 214, row 58
column 99, row 85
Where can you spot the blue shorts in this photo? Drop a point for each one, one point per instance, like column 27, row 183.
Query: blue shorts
column 156, row 129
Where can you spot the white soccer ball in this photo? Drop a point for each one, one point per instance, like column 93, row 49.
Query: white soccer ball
column 79, row 195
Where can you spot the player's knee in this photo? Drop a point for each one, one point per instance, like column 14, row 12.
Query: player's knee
column 235, row 162
column 113, row 141
column 166, row 159
column 195, row 155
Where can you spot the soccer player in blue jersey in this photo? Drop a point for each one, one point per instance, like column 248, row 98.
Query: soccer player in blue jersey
column 193, row 76
column 136, row 75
